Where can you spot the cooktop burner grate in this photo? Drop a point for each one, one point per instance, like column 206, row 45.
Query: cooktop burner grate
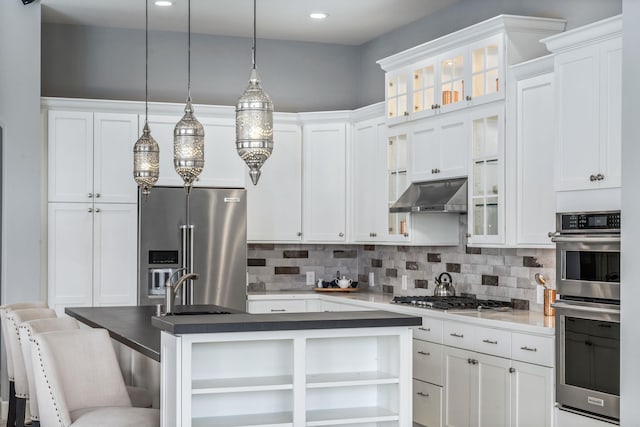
column 451, row 303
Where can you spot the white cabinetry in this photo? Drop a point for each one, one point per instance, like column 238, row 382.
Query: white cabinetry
column 287, row 378
column 90, row 156
column 438, row 148
column 274, row 206
column 428, row 378
column 92, row 254
column 530, row 215
column 222, row 165
column 462, row 69
column 92, row 209
column 588, row 82
column 325, row 181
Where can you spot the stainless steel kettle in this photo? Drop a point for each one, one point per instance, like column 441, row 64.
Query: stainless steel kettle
column 444, row 286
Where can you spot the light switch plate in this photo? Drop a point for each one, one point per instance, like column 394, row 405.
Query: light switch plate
column 404, row 282
column 372, row 279
column 539, row 295
column 311, row 277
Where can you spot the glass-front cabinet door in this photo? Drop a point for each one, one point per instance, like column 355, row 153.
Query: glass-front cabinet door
column 425, row 89
column 398, row 223
column 486, row 178
column 397, row 96
column 485, row 76
column 452, row 80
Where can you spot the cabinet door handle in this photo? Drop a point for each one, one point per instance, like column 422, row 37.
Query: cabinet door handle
column 97, row 210
column 422, row 394
column 425, row 329
column 490, row 341
column 424, row 353
column 457, row 335
column 90, row 195
column 468, row 98
column 406, row 113
column 592, row 178
column 97, row 195
column 276, row 310
column 406, row 234
column 474, row 361
column 90, row 210
column 299, row 233
column 525, row 348
column 341, row 234
column 599, row 177
column 512, row 370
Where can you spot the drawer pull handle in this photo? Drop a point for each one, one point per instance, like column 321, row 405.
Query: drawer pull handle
column 273, row 310
column 425, row 329
column 424, row 353
column 490, row 341
column 528, row 348
column 457, row 335
column 422, row 394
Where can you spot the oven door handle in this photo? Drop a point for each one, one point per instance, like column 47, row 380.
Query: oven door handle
column 566, row 306
column 583, row 239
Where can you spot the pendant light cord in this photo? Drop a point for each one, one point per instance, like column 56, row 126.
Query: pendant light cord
column 254, row 36
column 146, row 61
column 189, row 49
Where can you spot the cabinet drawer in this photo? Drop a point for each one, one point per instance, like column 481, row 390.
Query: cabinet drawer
column 458, row 335
column 431, row 330
column 477, row 338
column 427, row 404
column 277, row 306
column 533, row 349
column 427, row 361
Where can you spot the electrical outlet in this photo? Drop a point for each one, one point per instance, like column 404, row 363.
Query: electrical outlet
column 539, row 295
column 372, row 279
column 311, row 277
column 404, row 282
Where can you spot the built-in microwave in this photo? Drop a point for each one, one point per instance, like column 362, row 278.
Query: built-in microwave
column 588, row 254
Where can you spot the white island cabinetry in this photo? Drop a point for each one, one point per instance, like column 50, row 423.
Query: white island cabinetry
column 327, row 377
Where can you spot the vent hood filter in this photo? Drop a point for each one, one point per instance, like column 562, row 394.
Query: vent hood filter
column 449, row 195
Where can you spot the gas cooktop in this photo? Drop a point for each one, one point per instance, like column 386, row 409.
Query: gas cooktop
column 452, row 303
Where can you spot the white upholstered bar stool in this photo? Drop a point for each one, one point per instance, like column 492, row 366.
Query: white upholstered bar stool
column 21, row 384
column 27, row 329
column 79, row 383
column 4, row 309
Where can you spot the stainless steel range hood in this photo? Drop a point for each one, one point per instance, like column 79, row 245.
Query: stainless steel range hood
column 449, row 195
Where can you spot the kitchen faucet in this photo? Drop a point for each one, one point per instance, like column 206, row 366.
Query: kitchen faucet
column 170, row 289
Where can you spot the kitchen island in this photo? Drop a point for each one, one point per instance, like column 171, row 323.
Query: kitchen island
column 290, row 369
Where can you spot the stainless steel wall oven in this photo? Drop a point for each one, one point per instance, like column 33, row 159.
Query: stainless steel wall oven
column 588, row 313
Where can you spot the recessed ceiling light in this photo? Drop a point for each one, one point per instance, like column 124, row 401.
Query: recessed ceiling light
column 163, row 3
column 318, row 15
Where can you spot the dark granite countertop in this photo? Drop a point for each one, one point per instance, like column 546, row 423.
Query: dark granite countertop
column 138, row 328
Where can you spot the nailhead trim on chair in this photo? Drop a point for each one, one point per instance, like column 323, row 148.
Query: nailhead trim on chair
column 33, row 417
column 15, row 325
column 48, row 385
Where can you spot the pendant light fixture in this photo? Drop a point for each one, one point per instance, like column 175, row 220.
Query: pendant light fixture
column 188, row 135
column 146, row 153
column 254, row 120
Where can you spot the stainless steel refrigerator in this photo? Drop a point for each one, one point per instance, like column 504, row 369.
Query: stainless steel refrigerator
column 219, row 219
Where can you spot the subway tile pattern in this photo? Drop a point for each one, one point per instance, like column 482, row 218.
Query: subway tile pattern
column 498, row 273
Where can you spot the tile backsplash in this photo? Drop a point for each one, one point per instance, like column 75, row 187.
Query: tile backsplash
column 498, row 273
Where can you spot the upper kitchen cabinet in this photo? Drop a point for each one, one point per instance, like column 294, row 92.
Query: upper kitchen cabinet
column 274, row 206
column 588, row 88
column 464, row 68
column 438, row 148
column 222, row 165
column 369, row 204
column 91, row 156
column 486, row 176
column 531, row 205
column 324, row 172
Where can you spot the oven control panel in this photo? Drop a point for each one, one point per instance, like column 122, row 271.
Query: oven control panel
column 590, row 221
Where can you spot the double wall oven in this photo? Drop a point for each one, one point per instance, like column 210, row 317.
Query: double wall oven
column 588, row 313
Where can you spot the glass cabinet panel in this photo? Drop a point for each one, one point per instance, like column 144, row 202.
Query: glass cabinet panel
column 397, row 95
column 484, row 71
column 397, row 183
column 452, row 80
column 485, row 175
column 424, row 88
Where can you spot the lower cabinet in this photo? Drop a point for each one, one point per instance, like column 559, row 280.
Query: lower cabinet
column 92, row 254
column 427, row 404
column 277, row 306
column 532, row 395
column 324, row 377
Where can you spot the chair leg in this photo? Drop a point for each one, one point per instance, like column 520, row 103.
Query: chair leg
column 21, row 407
column 11, row 416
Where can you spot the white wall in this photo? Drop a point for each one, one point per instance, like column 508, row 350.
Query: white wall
column 20, row 276
column 630, row 252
